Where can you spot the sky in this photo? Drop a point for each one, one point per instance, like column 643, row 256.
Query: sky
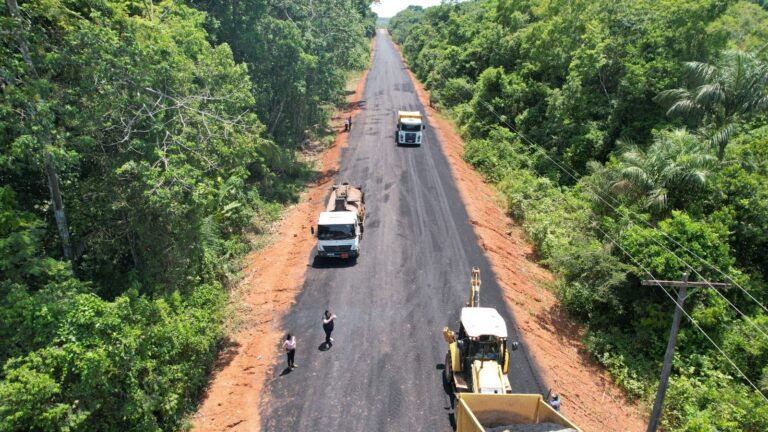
column 388, row 8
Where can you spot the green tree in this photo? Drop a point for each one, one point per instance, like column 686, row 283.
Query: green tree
column 41, row 116
column 742, row 188
column 298, row 54
column 674, row 167
column 153, row 135
column 579, row 80
column 719, row 96
column 401, row 24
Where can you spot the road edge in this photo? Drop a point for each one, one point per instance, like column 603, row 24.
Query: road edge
column 505, row 246
column 234, row 397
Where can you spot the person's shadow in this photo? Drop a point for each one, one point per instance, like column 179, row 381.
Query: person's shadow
column 286, row 371
column 324, row 346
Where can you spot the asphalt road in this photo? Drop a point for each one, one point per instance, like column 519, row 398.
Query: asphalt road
column 383, row 371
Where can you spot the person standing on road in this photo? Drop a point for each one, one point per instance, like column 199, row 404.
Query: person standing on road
column 328, row 318
column 349, row 123
column 290, row 349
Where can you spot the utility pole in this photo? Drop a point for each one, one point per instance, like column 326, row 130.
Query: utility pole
column 681, row 286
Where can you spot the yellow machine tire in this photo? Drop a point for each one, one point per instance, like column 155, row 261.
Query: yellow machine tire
column 448, row 375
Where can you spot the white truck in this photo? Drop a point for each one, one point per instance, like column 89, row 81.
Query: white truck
column 409, row 128
column 340, row 226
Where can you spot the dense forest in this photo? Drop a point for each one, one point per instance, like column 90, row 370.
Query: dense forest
column 629, row 138
column 141, row 145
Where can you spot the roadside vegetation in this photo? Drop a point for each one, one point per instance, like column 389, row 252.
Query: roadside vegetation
column 628, row 137
column 141, row 145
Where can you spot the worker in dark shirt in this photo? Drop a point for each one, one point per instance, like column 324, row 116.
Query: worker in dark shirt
column 328, row 318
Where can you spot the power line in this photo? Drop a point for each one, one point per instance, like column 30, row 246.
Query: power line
column 686, row 314
column 596, row 225
column 752, row 323
column 570, row 174
column 561, row 166
column 666, row 369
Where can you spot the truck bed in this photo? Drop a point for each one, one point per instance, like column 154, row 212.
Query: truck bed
column 354, row 202
column 508, row 412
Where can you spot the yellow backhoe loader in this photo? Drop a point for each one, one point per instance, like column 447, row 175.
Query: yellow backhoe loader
column 478, row 353
column 476, row 370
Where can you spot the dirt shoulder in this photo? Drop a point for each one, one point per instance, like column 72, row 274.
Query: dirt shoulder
column 589, row 396
column 273, row 278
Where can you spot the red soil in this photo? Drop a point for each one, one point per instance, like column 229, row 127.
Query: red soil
column 273, row 278
column 589, row 396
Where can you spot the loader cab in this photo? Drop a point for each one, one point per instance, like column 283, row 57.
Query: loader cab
column 478, row 355
column 485, row 347
column 482, row 335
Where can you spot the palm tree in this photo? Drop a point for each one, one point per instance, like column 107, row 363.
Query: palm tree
column 675, row 164
column 719, row 95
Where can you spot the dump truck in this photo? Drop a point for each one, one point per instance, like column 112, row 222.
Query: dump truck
column 508, row 412
column 340, row 226
column 478, row 354
column 409, row 128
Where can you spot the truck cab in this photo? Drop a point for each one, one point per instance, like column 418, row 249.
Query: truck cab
column 338, row 234
column 340, row 226
column 409, row 128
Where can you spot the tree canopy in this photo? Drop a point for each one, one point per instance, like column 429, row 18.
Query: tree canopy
column 141, row 144
column 627, row 136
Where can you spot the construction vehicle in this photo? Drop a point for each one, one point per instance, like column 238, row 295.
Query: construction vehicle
column 508, row 412
column 340, row 226
column 475, row 370
column 409, row 128
column 478, row 357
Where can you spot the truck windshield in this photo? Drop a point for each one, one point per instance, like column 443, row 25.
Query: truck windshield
column 410, row 128
column 335, row 232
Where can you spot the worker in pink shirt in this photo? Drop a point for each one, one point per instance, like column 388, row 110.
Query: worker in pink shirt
column 290, row 349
